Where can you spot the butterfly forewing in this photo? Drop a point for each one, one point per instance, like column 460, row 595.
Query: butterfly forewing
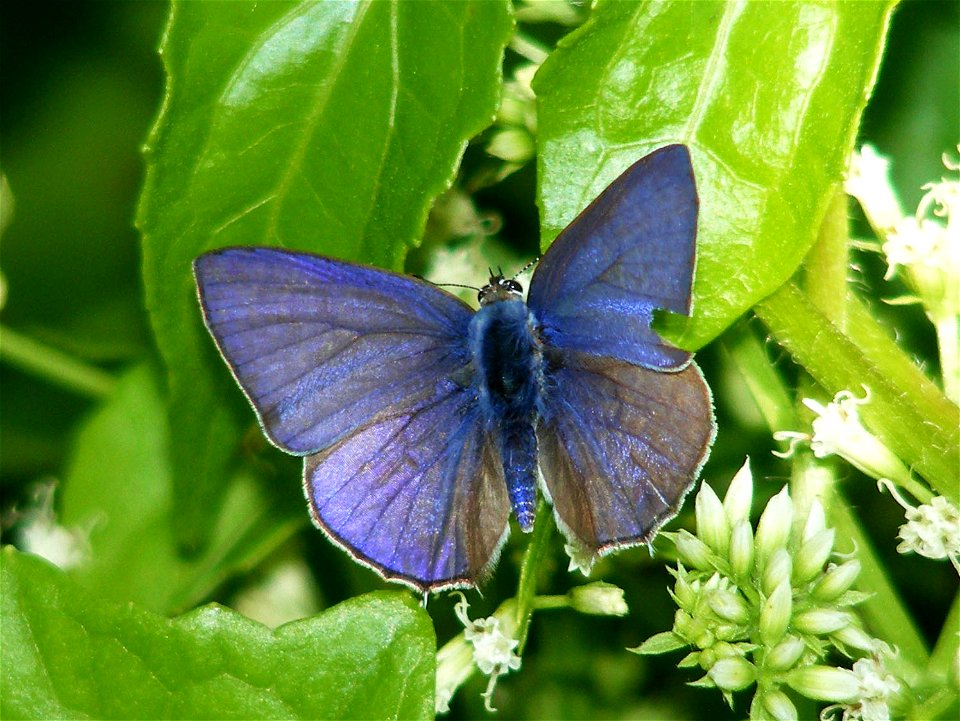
column 321, row 346
column 627, row 254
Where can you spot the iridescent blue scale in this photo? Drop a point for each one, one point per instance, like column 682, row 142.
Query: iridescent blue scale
column 423, row 422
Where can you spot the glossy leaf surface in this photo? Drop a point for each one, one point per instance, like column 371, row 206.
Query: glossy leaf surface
column 767, row 95
column 370, row 657
column 319, row 126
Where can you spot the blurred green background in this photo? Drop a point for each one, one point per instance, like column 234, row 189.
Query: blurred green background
column 81, row 83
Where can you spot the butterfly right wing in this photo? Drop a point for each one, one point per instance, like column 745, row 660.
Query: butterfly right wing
column 620, row 446
column 629, row 253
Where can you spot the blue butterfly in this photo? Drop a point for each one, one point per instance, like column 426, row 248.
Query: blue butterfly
column 423, row 422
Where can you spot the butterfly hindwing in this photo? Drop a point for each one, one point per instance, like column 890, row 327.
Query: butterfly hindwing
column 418, row 494
column 620, row 446
column 321, row 346
column 627, row 254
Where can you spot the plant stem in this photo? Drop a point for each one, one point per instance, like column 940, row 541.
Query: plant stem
column 945, row 651
column 746, row 353
column 53, row 365
column 532, row 562
column 948, row 341
column 921, row 430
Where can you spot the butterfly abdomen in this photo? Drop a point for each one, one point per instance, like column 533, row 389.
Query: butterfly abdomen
column 508, row 361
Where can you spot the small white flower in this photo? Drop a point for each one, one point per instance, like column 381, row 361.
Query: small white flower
column 868, row 181
column 932, row 529
column 915, row 242
column 40, row 534
column 875, row 687
column 493, row 651
column 581, row 558
column 944, row 196
column 837, row 430
column 837, row 424
column 928, row 249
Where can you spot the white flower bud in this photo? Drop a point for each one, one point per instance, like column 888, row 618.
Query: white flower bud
column 712, row 526
column 515, row 145
column 821, row 621
column 776, row 571
column 598, row 599
column 816, row 520
column 741, row 549
column 693, row 551
column 775, row 614
column 785, row 654
column 836, row 581
column 812, row 556
column 824, row 683
column 773, row 529
column 730, row 606
column 732, row 674
column 852, row 636
column 739, row 496
column 779, row 706
column 683, row 592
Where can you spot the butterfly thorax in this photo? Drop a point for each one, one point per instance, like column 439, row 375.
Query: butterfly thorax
column 508, row 367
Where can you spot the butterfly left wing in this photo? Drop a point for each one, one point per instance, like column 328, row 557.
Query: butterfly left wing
column 620, row 446
column 320, row 346
column 367, row 373
column 418, row 494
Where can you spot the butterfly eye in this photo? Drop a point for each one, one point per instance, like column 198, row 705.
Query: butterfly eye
column 513, row 286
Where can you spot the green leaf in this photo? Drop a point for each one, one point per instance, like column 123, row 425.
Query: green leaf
column 327, row 127
column 118, row 490
column 663, row 642
column 69, row 654
column 767, row 95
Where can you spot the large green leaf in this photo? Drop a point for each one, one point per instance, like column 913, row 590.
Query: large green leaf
column 69, row 654
column 767, row 95
column 327, row 127
column 118, row 490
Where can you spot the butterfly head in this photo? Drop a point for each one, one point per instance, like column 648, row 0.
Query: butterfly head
column 499, row 288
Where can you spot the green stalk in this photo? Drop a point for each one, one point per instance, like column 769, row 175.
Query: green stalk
column 945, row 651
column 532, row 563
column 921, row 430
column 53, row 365
column 745, row 352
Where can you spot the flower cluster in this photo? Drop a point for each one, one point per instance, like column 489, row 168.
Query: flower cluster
column 932, row 529
column 764, row 607
column 923, row 249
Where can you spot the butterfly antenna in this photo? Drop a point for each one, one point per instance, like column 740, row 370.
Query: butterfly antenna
column 527, row 267
column 455, row 285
